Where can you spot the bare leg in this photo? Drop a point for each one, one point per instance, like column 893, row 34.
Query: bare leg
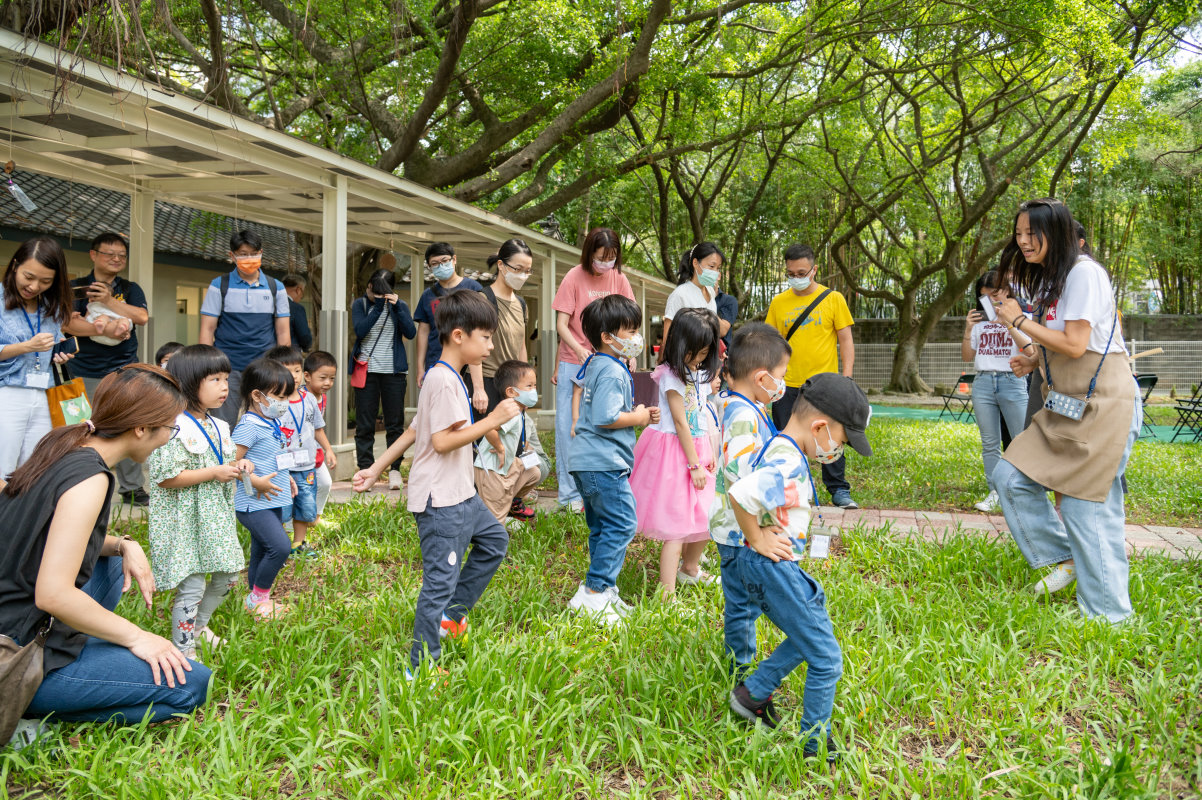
column 669, row 562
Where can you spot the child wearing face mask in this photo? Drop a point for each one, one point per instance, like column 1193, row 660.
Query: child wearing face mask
column 511, row 462
column 602, row 452
column 772, row 505
column 266, row 386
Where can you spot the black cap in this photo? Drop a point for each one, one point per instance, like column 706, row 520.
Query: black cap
column 844, row 402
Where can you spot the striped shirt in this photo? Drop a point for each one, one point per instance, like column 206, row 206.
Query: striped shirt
column 744, row 432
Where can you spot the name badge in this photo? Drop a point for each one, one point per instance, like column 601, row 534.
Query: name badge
column 820, row 541
column 301, row 459
column 37, row 380
column 285, row 461
column 530, row 460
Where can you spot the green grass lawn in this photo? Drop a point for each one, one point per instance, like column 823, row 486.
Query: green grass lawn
column 957, row 684
column 936, row 466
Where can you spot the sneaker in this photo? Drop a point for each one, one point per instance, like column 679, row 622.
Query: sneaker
column 191, row 655
column 623, row 608
column 265, row 609
column 516, row 526
column 598, row 605
column 842, row 498
column 29, row 732
column 206, row 635
column 519, row 510
column 572, row 506
column 451, row 628
column 1059, row 578
column 531, row 498
column 702, row 578
column 304, row 551
column 742, row 703
column 833, row 753
column 394, row 480
column 137, row 497
column 990, row 504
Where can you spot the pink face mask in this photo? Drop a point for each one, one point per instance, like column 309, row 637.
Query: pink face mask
column 604, row 266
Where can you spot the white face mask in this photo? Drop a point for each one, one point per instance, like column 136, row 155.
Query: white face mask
column 778, row 392
column 604, row 266
column 515, row 280
column 799, row 284
column 273, row 409
column 827, row 456
column 628, row 348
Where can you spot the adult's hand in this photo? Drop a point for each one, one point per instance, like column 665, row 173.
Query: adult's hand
column 63, row 358
column 40, row 343
column 421, row 377
column 480, row 399
column 164, row 659
column 100, row 293
column 1008, row 311
column 1022, row 366
column 136, row 567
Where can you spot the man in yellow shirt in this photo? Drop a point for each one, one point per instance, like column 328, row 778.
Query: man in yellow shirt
column 818, row 342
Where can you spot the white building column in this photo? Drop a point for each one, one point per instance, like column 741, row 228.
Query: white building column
column 548, row 340
column 334, row 324
column 141, row 270
column 417, row 285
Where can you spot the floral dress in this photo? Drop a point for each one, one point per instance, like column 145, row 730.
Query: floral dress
column 192, row 530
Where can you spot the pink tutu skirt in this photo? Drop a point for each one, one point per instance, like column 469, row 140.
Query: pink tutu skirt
column 666, row 504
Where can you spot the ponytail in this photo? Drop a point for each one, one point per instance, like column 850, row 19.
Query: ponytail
column 698, row 252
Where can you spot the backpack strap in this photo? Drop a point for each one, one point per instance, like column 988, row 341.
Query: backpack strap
column 224, row 286
column 272, row 284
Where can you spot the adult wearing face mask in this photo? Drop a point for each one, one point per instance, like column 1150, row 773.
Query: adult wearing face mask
column 244, row 314
column 696, row 285
column 599, row 274
column 440, row 258
column 816, row 322
column 514, row 262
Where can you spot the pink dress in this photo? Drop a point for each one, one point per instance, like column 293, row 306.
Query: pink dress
column 667, row 505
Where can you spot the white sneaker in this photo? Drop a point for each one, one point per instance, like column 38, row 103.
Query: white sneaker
column 702, row 578
column 1059, row 578
column 598, row 605
column 990, row 504
column 576, row 506
column 207, row 635
column 28, row 732
column 394, row 480
column 621, row 606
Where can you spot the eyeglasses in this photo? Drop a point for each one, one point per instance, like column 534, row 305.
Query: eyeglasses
column 174, row 431
column 111, row 256
column 437, row 264
column 512, row 268
column 791, row 274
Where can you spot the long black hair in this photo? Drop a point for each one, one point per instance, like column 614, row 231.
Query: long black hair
column 692, row 330
column 56, row 299
column 698, row 252
column 1053, row 224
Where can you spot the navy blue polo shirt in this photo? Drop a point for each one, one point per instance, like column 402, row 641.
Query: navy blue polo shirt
column 246, row 324
column 95, row 360
column 427, row 304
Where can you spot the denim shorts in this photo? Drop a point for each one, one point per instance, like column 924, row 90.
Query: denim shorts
column 304, row 505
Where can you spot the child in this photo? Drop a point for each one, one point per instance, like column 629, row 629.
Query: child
column 304, row 429
column 320, row 371
column 265, row 389
column 512, row 463
column 164, row 354
column 602, row 451
column 673, row 480
column 772, row 505
column 450, row 514
column 192, row 528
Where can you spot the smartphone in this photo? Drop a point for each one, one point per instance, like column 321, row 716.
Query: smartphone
column 68, row 345
column 80, row 292
column 987, row 304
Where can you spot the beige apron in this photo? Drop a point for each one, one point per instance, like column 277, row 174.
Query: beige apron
column 1079, row 458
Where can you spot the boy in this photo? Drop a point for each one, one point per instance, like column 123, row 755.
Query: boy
column 513, row 462
column 320, row 370
column 772, row 506
column 450, row 514
column 164, row 353
column 304, row 429
column 604, row 445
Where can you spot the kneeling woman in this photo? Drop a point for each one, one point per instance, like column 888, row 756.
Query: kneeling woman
column 56, row 561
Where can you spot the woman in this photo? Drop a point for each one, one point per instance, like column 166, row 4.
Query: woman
column 514, row 262
column 56, row 561
column 696, row 285
column 35, row 303
column 598, row 274
column 997, row 393
column 380, row 341
column 1080, row 450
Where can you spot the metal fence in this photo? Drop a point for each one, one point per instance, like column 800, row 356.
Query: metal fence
column 1180, row 364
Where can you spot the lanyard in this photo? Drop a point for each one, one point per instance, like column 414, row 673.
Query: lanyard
column 584, row 367
column 216, row 450
column 522, row 438
column 295, row 422
column 276, row 433
column 37, row 357
column 460, row 379
column 763, row 417
column 806, row 464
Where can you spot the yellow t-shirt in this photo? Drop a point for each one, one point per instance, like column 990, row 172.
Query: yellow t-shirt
column 814, row 343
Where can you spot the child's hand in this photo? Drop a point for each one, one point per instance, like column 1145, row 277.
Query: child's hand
column 245, row 465
column 573, row 429
column 226, row 473
column 770, row 545
column 500, row 448
column 364, row 479
column 697, row 475
column 506, row 410
column 654, row 412
column 642, row 415
column 264, row 488
column 331, row 459
column 293, row 486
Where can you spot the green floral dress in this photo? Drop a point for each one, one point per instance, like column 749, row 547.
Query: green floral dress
column 192, row 530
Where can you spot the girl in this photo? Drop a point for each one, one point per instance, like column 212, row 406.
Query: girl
column 192, row 528
column 266, row 387
column 997, row 393
column 673, row 479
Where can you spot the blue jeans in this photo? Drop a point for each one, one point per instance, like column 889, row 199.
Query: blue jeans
column 796, row 604
column 269, row 545
column 563, row 430
column 609, row 511
column 108, row 683
column 997, row 396
column 739, row 613
column 1088, row 532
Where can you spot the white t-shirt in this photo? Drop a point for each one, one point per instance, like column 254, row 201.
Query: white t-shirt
column 694, row 393
column 993, row 346
column 1088, row 295
column 689, row 295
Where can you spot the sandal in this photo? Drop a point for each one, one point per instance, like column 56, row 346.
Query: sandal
column 267, row 609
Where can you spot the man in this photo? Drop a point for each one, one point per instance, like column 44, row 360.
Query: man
column 117, row 306
column 244, row 314
column 820, row 340
column 298, row 319
column 728, row 310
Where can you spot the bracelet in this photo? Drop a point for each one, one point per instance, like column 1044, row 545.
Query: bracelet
column 121, row 545
column 694, row 466
column 1018, row 323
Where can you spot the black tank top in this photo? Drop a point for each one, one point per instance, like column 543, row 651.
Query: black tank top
column 24, row 523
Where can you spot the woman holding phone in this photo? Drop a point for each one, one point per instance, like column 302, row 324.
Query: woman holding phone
column 35, row 303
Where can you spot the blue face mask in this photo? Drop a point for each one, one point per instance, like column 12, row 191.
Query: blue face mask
column 443, row 271
column 529, row 398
